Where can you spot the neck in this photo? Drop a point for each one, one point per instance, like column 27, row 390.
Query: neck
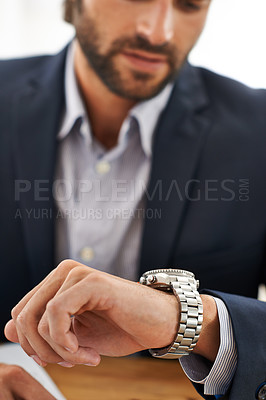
column 106, row 110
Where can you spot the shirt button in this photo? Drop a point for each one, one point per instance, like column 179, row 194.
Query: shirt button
column 103, row 167
column 87, row 254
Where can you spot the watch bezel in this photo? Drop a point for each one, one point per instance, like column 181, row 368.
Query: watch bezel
column 170, row 271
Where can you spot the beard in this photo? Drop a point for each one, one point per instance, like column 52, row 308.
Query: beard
column 140, row 85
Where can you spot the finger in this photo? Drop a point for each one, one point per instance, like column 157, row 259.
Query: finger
column 59, row 273
column 6, row 394
column 27, row 331
column 34, row 304
column 27, row 321
column 32, row 343
column 86, row 295
column 21, row 304
column 82, row 355
column 74, row 276
column 26, row 346
column 25, row 387
column 11, row 332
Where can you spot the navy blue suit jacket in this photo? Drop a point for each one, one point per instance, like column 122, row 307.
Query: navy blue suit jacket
column 207, row 186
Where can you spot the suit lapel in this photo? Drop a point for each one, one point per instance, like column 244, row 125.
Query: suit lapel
column 179, row 140
column 36, row 117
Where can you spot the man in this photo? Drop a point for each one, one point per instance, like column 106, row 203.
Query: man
column 135, row 111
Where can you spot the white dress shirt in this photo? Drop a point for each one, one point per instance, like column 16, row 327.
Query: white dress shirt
column 100, row 207
column 100, row 193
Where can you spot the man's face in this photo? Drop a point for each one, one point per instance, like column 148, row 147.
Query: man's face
column 136, row 47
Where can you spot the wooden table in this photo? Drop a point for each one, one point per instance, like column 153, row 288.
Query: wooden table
column 124, row 379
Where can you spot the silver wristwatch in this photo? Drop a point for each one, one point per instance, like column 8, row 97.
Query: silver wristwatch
column 184, row 286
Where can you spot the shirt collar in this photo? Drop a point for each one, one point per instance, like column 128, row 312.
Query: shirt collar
column 147, row 113
column 74, row 106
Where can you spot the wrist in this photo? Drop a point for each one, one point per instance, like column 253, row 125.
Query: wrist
column 209, row 339
column 171, row 326
column 165, row 315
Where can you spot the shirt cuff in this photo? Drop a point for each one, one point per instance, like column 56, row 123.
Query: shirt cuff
column 216, row 377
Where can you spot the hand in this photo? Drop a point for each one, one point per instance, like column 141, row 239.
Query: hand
column 77, row 314
column 17, row 384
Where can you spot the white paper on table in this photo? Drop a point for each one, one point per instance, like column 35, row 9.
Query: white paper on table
column 11, row 353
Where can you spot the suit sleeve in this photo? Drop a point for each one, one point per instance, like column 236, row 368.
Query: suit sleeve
column 249, row 325
column 216, row 377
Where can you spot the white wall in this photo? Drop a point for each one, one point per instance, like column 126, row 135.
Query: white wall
column 30, row 27
column 233, row 42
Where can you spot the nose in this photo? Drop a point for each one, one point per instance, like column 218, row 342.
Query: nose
column 157, row 25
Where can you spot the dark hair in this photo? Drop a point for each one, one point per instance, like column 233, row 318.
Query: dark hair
column 68, row 10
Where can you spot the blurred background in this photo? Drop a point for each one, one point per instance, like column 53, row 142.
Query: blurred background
column 232, row 44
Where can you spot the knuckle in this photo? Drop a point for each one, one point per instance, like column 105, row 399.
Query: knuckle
column 96, row 277
column 100, row 280
column 25, row 346
column 20, row 321
column 14, row 313
column 12, row 372
column 101, row 285
column 17, row 371
column 25, row 321
column 43, row 329
column 78, row 272
column 45, row 355
column 48, row 355
column 68, row 268
column 51, row 306
column 65, row 266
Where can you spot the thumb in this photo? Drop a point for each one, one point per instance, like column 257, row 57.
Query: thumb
column 11, row 332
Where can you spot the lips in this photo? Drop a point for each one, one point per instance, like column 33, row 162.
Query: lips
column 145, row 56
column 145, row 61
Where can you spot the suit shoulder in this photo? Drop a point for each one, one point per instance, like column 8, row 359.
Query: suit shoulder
column 15, row 71
column 233, row 95
column 237, row 111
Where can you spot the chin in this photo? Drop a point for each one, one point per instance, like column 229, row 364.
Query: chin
column 140, row 91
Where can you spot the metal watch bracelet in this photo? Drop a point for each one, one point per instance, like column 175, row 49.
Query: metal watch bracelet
column 184, row 286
